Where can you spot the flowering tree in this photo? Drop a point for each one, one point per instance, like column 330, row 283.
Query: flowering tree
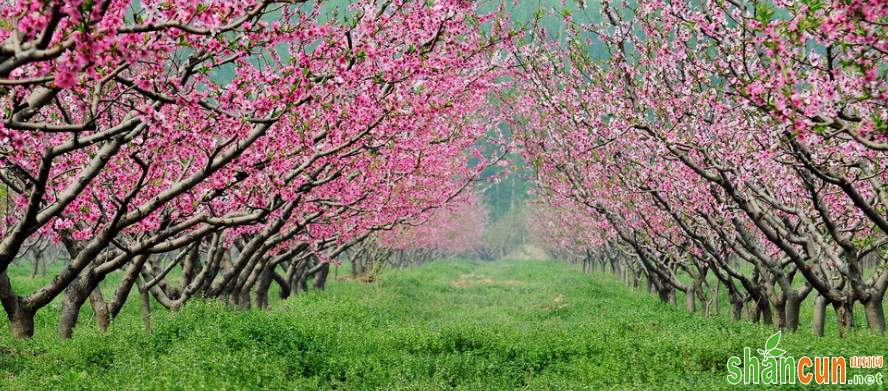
column 717, row 131
column 121, row 139
column 448, row 232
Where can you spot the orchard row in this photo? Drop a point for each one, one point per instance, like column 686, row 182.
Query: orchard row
column 243, row 142
column 728, row 138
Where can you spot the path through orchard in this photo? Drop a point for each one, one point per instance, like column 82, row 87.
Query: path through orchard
column 464, row 324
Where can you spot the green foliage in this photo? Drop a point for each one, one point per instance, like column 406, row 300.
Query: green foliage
column 506, row 233
column 464, row 325
column 504, row 196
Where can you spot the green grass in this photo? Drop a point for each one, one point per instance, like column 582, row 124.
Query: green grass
column 415, row 330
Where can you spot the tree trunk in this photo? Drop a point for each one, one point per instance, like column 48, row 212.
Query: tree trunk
column 756, row 315
column 690, row 301
column 715, row 298
column 637, row 275
column 761, row 312
column 299, row 270
column 260, row 296
column 73, row 299
column 320, row 279
column 68, row 318
column 130, row 277
column 664, row 295
column 780, row 314
column 35, row 266
column 20, row 314
column 145, row 300
column 100, row 309
column 875, row 314
column 697, row 289
column 767, row 317
column 21, row 323
column 243, row 299
column 302, row 280
column 793, row 304
column 284, row 291
column 844, row 316
column 737, row 309
column 819, row 320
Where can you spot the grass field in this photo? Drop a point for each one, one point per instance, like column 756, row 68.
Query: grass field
column 462, row 325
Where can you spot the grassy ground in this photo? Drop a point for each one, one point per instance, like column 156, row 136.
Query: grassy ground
column 448, row 325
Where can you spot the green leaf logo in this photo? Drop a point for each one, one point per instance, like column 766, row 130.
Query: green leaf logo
column 771, row 349
column 773, row 341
